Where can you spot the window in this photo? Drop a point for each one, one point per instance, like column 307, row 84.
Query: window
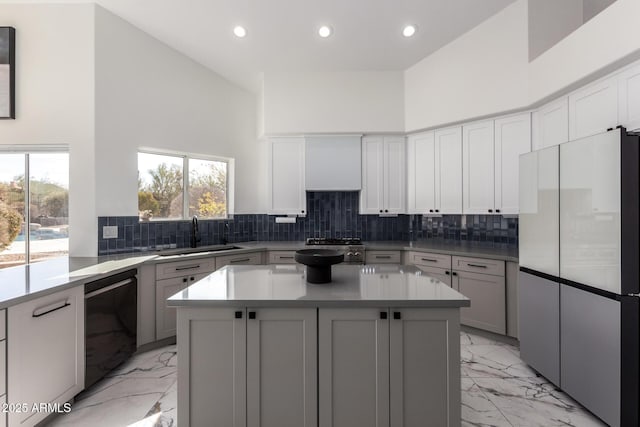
column 34, row 211
column 162, row 181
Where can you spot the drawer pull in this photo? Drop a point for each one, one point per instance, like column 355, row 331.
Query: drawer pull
column 38, row 313
column 240, row 260
column 429, row 259
column 285, row 257
column 477, row 265
column 188, row 267
column 383, row 256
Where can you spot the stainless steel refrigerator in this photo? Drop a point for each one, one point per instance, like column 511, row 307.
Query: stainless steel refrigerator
column 579, row 241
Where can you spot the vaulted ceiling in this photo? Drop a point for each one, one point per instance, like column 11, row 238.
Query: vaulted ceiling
column 282, row 34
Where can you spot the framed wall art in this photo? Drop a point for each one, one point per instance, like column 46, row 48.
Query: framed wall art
column 7, row 73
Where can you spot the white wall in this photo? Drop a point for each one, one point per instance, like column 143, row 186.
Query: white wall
column 602, row 44
column 333, row 102
column 149, row 95
column 550, row 21
column 482, row 72
column 55, row 99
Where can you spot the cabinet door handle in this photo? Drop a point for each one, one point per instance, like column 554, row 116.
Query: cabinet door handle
column 184, row 280
column 252, row 315
column 38, row 313
column 497, row 210
column 380, row 210
column 383, row 315
column 386, row 210
column 490, row 210
column 238, row 314
column 447, row 273
column 430, row 210
column 397, row 315
column 454, row 273
column 193, row 278
column 437, row 210
column 240, row 260
column 477, row 265
column 188, row 267
column 429, row 259
column 383, row 256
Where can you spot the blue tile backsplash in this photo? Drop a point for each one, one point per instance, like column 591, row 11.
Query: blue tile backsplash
column 329, row 214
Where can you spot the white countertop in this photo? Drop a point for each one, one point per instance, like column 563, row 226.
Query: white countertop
column 286, row 286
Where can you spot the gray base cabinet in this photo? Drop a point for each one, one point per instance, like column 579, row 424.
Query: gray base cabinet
column 389, row 367
column 487, row 295
column 326, row 367
column 483, row 282
column 353, row 367
column 424, row 360
column 282, row 367
column 247, row 367
column 166, row 316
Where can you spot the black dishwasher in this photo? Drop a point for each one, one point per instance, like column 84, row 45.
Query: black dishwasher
column 110, row 323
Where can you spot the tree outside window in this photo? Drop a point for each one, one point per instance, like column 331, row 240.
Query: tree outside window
column 161, row 180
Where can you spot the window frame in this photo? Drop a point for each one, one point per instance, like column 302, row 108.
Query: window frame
column 26, row 151
column 230, row 162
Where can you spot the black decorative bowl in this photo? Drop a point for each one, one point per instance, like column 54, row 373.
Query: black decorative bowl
column 319, row 262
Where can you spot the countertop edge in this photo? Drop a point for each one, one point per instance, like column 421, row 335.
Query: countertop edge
column 318, row 304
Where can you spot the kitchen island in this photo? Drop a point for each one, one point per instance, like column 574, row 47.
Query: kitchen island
column 259, row 346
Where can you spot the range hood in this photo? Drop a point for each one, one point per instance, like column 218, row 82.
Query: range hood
column 333, row 163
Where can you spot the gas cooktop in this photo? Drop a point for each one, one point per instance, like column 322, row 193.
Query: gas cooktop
column 334, row 241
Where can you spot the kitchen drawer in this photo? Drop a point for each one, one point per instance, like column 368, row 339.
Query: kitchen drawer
column 441, row 274
column 382, row 257
column 3, row 325
column 282, row 257
column 254, row 258
column 168, row 270
column 478, row 265
column 425, row 259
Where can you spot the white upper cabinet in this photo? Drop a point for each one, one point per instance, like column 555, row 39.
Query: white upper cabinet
column 394, row 172
column 512, row 138
column 371, row 197
column 448, row 175
column 383, row 175
column 286, row 176
column 551, row 124
column 421, row 173
column 478, row 168
column 629, row 98
column 593, row 109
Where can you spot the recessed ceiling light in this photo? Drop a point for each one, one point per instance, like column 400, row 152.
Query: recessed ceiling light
column 240, row 31
column 324, row 31
column 409, row 30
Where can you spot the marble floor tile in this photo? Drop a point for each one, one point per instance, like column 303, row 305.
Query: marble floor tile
column 119, row 402
column 477, row 409
column 534, row 402
column 492, row 360
column 157, row 363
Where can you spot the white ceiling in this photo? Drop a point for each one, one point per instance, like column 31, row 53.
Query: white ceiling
column 282, row 34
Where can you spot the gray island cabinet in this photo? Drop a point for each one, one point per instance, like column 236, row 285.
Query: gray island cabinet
column 259, row 346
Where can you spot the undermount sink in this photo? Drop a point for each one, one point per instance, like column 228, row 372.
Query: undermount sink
column 190, row 251
column 319, row 262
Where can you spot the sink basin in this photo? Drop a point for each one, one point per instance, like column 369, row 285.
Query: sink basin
column 189, row 251
column 319, row 262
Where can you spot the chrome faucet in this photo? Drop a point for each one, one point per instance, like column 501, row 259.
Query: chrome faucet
column 195, row 235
